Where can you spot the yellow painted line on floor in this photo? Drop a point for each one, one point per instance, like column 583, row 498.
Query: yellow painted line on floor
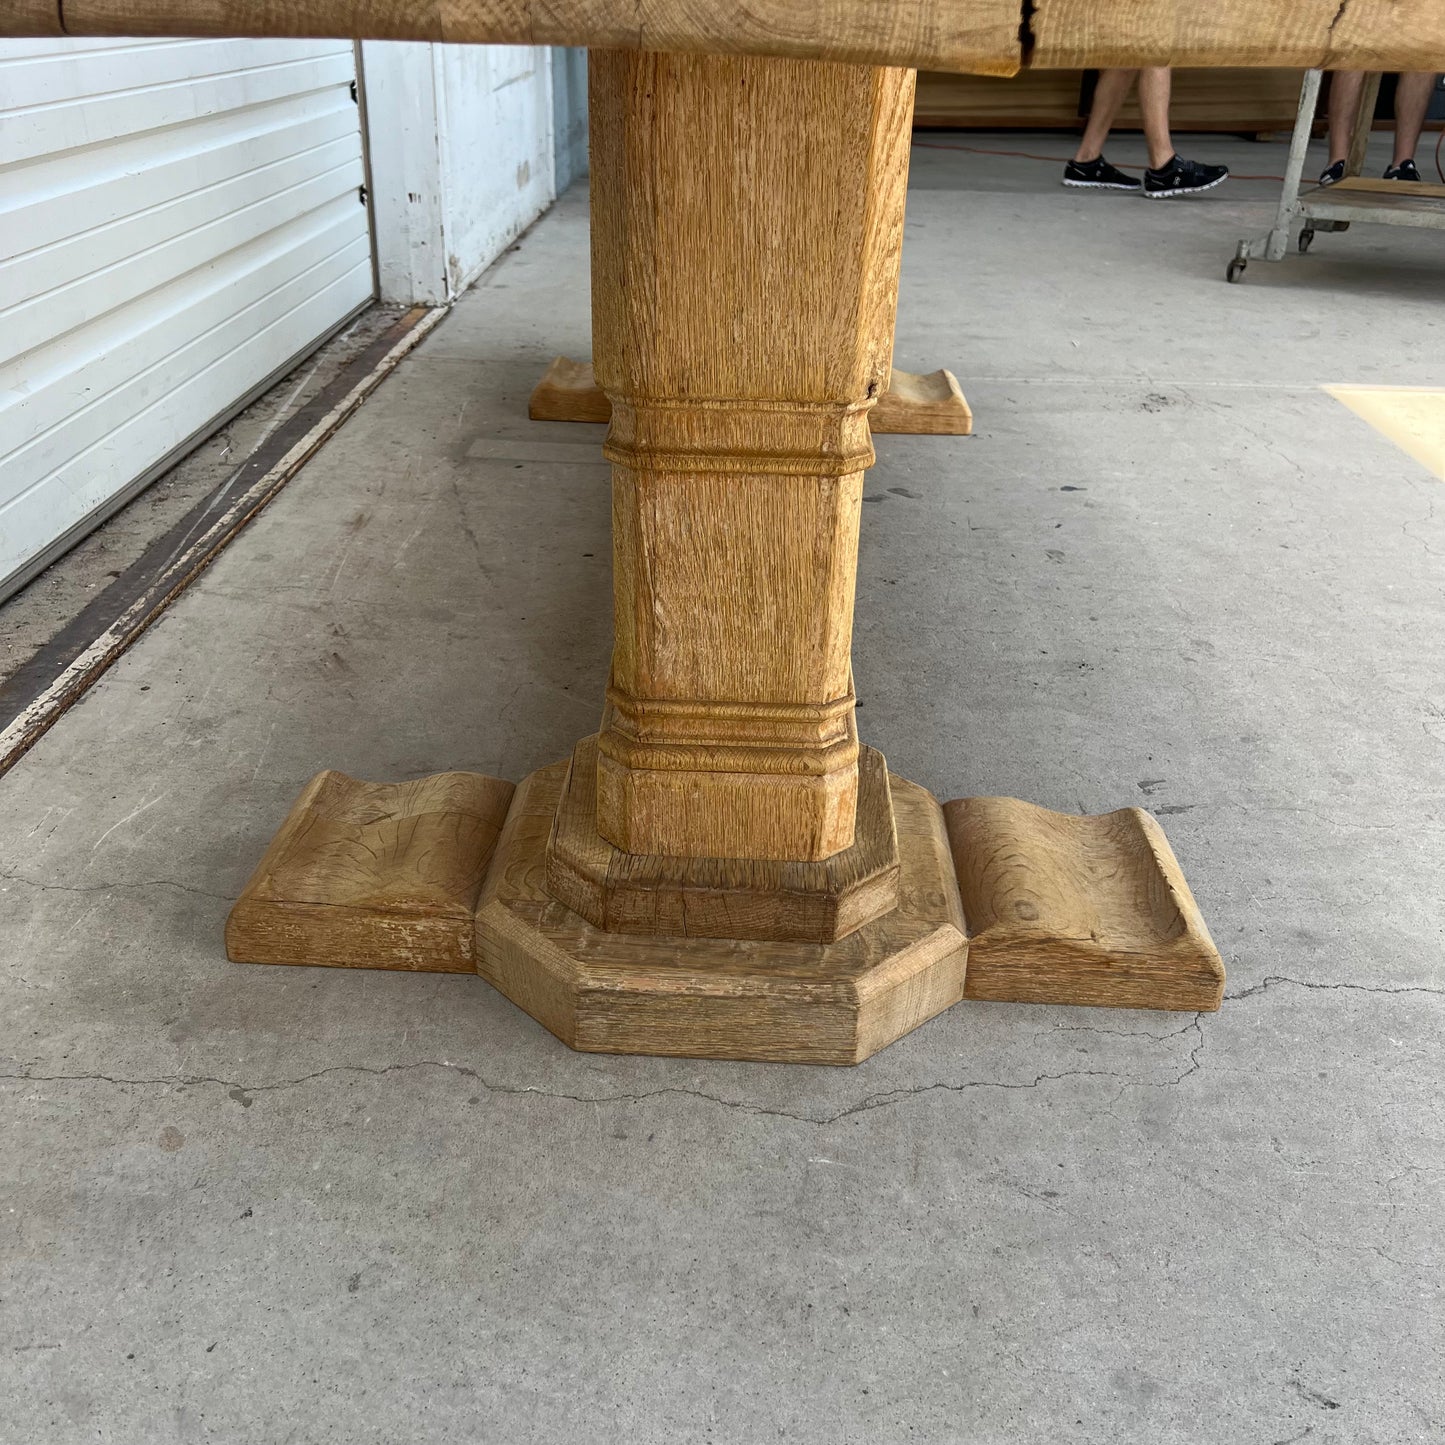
column 1413, row 417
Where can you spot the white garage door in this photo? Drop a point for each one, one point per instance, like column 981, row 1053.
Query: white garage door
column 179, row 221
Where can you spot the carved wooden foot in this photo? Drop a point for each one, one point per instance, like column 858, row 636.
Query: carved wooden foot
column 915, row 404
column 374, row 875
column 1092, row 910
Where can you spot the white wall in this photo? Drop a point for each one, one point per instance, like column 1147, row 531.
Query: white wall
column 569, row 115
column 461, row 154
column 399, row 90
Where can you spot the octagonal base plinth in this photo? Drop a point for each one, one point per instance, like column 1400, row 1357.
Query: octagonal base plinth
column 797, row 1002
column 747, row 898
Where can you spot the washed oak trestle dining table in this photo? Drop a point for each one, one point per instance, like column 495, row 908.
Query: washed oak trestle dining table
column 725, row 869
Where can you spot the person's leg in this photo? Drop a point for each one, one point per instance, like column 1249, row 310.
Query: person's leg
column 1412, row 100
column 1109, row 95
column 1345, row 87
column 1169, row 174
column 1154, row 86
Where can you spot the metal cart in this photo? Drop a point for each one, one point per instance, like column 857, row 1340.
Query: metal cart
column 1333, row 208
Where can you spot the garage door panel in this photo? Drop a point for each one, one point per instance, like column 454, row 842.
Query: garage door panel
column 14, row 50
column 100, row 272
column 134, row 354
column 82, row 486
column 86, row 72
column 136, row 174
column 45, row 129
column 191, row 223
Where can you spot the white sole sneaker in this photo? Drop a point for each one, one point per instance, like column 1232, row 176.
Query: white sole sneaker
column 1183, row 190
column 1101, row 185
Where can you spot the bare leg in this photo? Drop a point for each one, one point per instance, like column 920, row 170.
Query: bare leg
column 1109, row 95
column 1154, row 86
column 1345, row 87
column 1412, row 99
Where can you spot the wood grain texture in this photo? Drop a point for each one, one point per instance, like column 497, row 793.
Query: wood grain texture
column 373, row 875
column 1227, row 99
column 915, row 404
column 1364, row 124
column 808, row 902
column 31, row 17
column 714, row 998
column 1373, row 186
column 1404, row 203
column 1256, row 98
column 747, row 219
column 1078, row 910
column 1035, row 99
column 978, row 35
column 568, row 391
column 1328, row 34
column 927, row 403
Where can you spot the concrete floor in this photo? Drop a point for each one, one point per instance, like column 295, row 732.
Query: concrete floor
column 263, row 1205
column 32, row 617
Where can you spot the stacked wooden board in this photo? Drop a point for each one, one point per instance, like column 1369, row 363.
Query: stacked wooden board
column 1235, row 99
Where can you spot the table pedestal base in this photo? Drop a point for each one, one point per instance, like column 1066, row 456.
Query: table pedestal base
column 833, row 1003
column 728, row 874
column 450, row 874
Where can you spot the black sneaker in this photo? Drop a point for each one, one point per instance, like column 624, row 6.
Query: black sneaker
column 1332, row 175
column 1182, row 178
column 1405, row 171
column 1099, row 175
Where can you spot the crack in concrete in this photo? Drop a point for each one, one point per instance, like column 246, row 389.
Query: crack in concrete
column 1312, row 1396
column 1303, row 1434
column 883, row 1100
column 40, row 887
column 1330, row 818
column 1266, row 984
column 1389, row 1187
column 1118, row 1033
column 1418, row 521
column 886, row 1099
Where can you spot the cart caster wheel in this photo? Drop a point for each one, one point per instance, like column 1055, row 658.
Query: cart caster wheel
column 1305, row 237
column 1235, row 269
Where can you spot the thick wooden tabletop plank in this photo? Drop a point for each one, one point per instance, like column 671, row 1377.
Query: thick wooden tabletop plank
column 969, row 35
column 30, row 17
column 988, row 37
column 1330, row 34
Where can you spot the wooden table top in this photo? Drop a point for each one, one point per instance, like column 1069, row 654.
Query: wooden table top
column 987, row 37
